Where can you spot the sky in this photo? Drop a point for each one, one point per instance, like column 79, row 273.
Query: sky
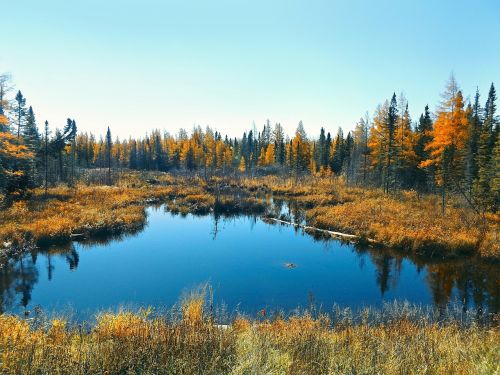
column 141, row 65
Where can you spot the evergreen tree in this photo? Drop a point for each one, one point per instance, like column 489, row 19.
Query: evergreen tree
column 46, row 155
column 327, row 152
column 347, row 164
column 109, row 146
column 279, row 140
column 132, row 160
column 71, row 132
column 483, row 187
column 31, row 139
column 159, row 159
column 392, row 117
column 57, row 147
column 424, row 176
column 30, row 131
column 495, row 182
column 19, row 112
column 338, row 153
column 323, row 152
column 475, row 125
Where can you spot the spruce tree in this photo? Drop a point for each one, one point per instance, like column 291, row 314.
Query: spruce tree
column 392, row 117
column 132, row 159
column 424, row 176
column 347, row 162
column 475, row 125
column 31, row 139
column 46, row 155
column 19, row 112
column 483, row 188
column 328, row 146
column 30, row 131
column 109, row 145
column 322, row 150
column 279, row 139
column 495, row 181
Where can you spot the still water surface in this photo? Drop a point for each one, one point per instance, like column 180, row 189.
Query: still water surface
column 244, row 260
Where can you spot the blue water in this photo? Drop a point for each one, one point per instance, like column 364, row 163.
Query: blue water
column 243, row 259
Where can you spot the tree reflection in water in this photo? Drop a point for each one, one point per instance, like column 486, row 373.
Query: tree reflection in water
column 470, row 282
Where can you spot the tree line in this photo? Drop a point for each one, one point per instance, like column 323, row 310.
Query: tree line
column 456, row 149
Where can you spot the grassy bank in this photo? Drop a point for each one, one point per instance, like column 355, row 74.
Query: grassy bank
column 402, row 220
column 82, row 211
column 394, row 341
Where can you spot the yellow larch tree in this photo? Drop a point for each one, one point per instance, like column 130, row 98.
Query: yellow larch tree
column 270, row 154
column 13, row 156
column 262, row 157
column 242, row 167
column 449, row 139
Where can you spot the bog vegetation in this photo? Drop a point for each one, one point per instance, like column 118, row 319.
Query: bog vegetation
column 188, row 340
column 405, row 221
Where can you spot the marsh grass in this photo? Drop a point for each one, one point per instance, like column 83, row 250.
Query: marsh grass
column 85, row 211
column 88, row 210
column 402, row 220
column 399, row 338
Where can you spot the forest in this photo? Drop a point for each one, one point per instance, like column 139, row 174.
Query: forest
column 452, row 151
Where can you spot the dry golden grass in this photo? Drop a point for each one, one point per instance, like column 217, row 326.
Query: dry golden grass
column 137, row 343
column 92, row 209
column 84, row 210
column 403, row 220
column 410, row 225
column 96, row 209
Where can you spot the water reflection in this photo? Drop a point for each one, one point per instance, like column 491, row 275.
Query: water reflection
column 17, row 280
column 471, row 282
column 18, row 276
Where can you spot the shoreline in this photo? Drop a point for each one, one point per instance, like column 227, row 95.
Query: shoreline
column 74, row 214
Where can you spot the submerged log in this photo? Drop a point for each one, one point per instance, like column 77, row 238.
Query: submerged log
column 340, row 235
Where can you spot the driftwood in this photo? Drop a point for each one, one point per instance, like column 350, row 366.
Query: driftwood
column 343, row 236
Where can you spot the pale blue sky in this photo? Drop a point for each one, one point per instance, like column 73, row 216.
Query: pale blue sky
column 139, row 65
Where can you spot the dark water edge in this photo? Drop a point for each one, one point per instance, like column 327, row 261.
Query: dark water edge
column 252, row 266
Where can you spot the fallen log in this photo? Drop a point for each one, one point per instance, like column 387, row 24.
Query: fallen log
column 345, row 236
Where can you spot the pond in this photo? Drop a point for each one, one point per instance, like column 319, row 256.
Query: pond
column 250, row 265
